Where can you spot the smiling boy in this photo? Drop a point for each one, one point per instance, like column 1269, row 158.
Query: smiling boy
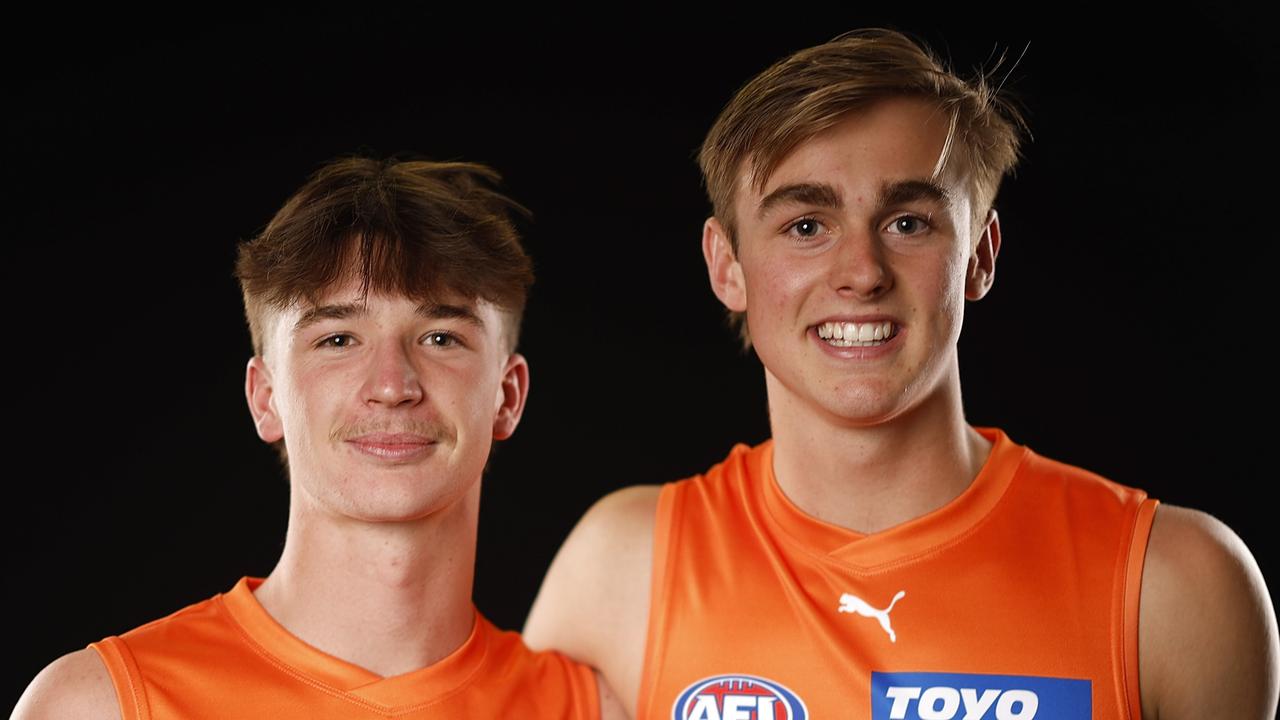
column 879, row 557
column 384, row 303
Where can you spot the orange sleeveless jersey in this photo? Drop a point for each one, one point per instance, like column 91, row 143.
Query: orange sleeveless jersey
column 227, row 658
column 1017, row 600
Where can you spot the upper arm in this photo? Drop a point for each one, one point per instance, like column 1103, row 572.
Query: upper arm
column 1207, row 644
column 610, row 704
column 594, row 602
column 75, row 685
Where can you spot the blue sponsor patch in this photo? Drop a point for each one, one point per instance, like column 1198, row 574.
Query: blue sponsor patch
column 962, row 696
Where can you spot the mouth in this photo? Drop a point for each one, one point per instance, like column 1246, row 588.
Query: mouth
column 852, row 334
column 392, row 446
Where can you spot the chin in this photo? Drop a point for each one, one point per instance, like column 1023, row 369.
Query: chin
column 398, row 509
column 388, row 497
column 864, row 405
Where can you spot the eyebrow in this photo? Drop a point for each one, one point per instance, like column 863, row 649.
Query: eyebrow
column 345, row 311
column 906, row 191
column 825, row 195
column 820, row 194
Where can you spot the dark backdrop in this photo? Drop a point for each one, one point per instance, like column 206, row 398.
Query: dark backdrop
column 1124, row 333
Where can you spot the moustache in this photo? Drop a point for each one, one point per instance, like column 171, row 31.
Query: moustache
column 433, row 430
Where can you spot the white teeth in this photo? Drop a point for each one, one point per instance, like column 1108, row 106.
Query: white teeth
column 856, row 334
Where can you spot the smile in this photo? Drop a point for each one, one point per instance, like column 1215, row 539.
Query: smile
column 399, row 446
column 856, row 334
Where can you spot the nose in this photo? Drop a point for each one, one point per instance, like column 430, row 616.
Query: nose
column 860, row 268
column 392, row 378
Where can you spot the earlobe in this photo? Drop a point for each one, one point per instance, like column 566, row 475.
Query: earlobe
column 511, row 396
column 982, row 261
column 258, row 393
column 723, row 268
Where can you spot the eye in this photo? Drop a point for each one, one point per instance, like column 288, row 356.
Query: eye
column 908, row 225
column 340, row 340
column 441, row 339
column 805, row 228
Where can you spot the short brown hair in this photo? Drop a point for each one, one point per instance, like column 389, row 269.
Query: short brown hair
column 810, row 91
column 414, row 228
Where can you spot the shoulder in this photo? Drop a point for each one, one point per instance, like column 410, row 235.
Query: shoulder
column 75, row 685
column 604, row 563
column 615, row 533
column 1076, row 481
column 513, row 675
column 1207, row 631
column 614, row 537
column 594, row 602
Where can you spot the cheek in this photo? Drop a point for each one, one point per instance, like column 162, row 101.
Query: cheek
column 775, row 285
column 950, row 284
column 302, row 410
column 466, row 395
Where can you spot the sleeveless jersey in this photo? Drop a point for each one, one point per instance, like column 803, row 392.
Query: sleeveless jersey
column 1017, row 599
column 226, row 657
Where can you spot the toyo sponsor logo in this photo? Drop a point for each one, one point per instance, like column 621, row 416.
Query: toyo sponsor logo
column 738, row 697
column 962, row 696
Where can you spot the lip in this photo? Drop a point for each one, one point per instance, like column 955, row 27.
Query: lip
column 859, row 353
column 859, row 319
column 392, row 446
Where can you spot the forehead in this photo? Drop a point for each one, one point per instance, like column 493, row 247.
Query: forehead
column 891, row 141
column 350, row 300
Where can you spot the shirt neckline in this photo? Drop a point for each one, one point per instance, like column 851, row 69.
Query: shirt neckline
column 296, row 657
column 906, row 541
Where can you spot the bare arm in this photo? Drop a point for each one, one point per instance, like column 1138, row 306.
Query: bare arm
column 610, row 704
column 75, row 685
column 1207, row 640
column 594, row 602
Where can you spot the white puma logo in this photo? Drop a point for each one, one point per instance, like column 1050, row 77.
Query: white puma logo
column 854, row 604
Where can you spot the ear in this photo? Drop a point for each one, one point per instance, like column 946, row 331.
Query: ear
column 723, row 267
column 258, row 391
column 511, row 396
column 982, row 261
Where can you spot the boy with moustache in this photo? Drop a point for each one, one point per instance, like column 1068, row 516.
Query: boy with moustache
column 384, row 303
column 879, row 557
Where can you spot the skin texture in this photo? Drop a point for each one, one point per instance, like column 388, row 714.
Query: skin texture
column 379, row 555
column 867, row 440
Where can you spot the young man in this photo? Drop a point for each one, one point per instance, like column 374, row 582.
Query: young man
column 384, row 302
column 879, row 557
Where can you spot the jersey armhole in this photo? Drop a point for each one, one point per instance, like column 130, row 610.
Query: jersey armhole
column 585, row 691
column 1129, row 606
column 123, row 669
column 664, row 530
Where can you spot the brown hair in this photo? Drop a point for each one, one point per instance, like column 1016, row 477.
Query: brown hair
column 810, row 91
column 412, row 228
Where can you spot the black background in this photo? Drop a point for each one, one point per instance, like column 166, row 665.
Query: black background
column 1125, row 333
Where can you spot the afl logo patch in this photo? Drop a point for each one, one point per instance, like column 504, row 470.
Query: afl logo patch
column 738, row 697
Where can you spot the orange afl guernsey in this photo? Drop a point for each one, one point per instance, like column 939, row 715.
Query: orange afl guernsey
column 1016, row 600
column 226, row 657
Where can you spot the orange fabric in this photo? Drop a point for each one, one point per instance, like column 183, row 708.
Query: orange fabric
column 1033, row 571
column 226, row 657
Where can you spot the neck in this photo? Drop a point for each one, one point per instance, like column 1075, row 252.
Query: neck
column 391, row 597
column 871, row 477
